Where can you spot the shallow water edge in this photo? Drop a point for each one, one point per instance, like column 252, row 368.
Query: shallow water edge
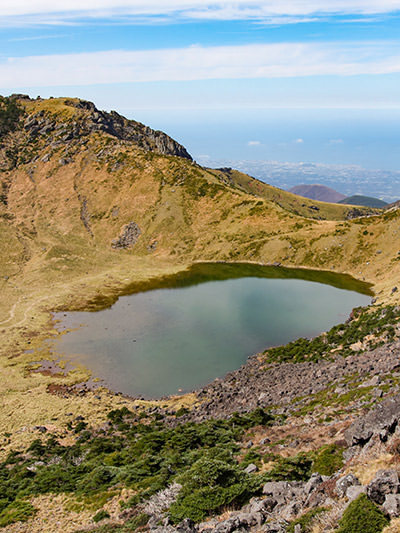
column 202, row 272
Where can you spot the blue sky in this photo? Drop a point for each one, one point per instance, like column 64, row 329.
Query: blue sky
column 189, row 66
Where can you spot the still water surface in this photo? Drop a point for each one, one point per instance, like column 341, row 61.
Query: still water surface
column 168, row 340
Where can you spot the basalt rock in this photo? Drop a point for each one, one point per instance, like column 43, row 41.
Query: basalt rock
column 284, row 492
column 381, row 421
column 255, row 385
column 385, row 482
column 130, row 130
column 344, row 483
column 90, row 120
column 391, row 505
column 128, row 237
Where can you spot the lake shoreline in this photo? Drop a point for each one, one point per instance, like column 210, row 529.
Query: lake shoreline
column 190, row 328
column 184, row 275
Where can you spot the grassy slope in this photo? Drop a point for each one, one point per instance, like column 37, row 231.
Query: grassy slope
column 49, row 259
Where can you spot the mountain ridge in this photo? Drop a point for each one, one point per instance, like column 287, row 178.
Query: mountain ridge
column 80, row 118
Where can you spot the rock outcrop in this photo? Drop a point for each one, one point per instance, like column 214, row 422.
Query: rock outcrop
column 381, row 421
column 128, row 237
column 385, row 482
column 91, row 120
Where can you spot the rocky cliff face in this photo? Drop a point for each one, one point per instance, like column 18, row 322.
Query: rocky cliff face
column 76, row 123
column 129, row 130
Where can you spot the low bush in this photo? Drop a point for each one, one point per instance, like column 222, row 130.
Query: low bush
column 10, row 112
column 209, row 486
column 101, row 515
column 328, row 460
column 362, row 516
column 297, row 468
column 365, row 321
column 140, row 452
column 17, row 511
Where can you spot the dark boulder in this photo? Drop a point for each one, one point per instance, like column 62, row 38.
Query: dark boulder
column 385, row 482
column 128, row 237
column 380, row 421
column 186, row 526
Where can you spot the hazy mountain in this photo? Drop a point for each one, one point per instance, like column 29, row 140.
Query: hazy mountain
column 317, row 192
column 367, row 201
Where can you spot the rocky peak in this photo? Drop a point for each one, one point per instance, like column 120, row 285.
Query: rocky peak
column 88, row 119
column 62, row 121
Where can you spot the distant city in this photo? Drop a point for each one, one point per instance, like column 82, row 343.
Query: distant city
column 347, row 179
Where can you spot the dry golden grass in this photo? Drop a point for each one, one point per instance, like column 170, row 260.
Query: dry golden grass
column 367, row 467
column 62, row 512
column 328, row 522
column 50, row 260
column 394, row 526
column 25, row 400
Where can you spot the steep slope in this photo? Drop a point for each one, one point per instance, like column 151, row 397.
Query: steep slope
column 318, row 192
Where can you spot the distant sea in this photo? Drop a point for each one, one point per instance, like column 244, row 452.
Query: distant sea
column 355, row 151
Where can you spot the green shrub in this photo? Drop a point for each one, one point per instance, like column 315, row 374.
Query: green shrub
column 210, row 473
column 37, row 448
column 375, row 321
column 362, row 516
column 131, row 502
column 297, row 468
column 138, row 521
column 204, row 501
column 101, row 515
column 251, row 457
column 328, row 460
column 146, row 457
column 209, row 486
column 54, row 478
column 10, row 112
column 18, row 511
column 181, row 411
column 98, row 479
column 80, row 426
column 117, row 415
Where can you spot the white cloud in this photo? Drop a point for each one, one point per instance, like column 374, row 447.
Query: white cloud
column 336, row 141
column 36, row 38
column 201, row 63
column 298, row 141
column 48, row 11
column 254, row 143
